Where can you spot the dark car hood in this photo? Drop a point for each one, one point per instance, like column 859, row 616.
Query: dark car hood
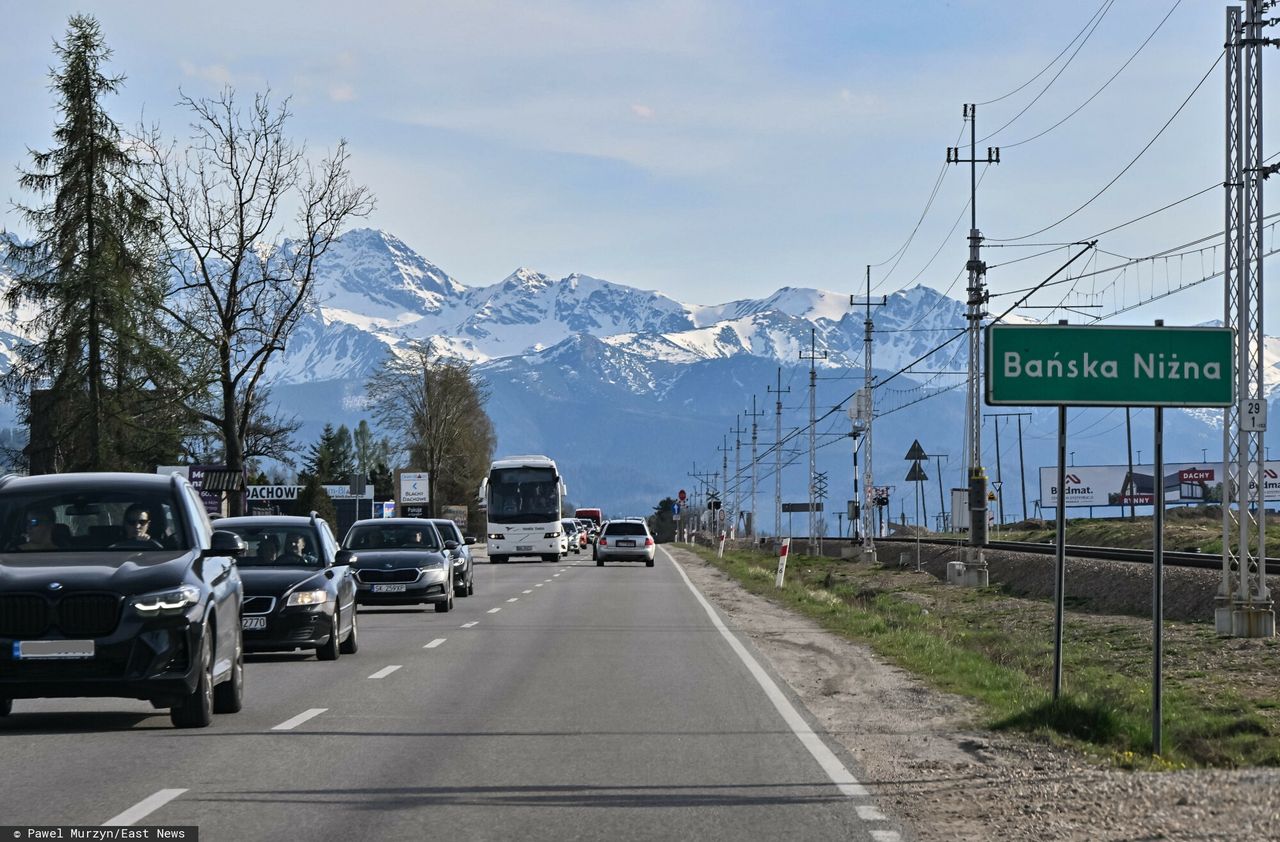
column 397, row 558
column 278, row 581
column 121, row 572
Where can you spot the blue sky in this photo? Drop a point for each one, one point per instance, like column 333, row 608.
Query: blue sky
column 708, row 150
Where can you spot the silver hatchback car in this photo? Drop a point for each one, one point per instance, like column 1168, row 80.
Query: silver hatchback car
column 625, row 540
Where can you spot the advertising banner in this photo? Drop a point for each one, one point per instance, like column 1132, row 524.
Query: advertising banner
column 1114, row 485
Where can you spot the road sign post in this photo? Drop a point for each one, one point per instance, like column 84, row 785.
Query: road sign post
column 1072, row 365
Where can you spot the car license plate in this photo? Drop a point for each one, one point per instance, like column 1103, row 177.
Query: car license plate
column 251, row 623
column 52, row 649
column 388, row 588
column 524, row 547
column 626, row 543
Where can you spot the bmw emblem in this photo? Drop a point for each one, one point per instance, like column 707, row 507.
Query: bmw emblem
column 55, row 586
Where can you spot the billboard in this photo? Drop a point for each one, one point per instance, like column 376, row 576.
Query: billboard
column 1114, row 485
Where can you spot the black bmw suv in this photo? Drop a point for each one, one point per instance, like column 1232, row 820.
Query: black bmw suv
column 118, row 585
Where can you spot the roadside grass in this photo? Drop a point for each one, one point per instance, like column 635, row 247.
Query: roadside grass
column 1221, row 696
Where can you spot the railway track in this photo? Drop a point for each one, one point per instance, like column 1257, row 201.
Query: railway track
column 1203, row 561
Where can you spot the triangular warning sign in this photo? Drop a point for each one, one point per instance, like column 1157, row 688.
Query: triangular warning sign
column 916, row 452
column 916, row 474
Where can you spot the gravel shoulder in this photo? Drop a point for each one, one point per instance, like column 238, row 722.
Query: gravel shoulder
column 945, row 779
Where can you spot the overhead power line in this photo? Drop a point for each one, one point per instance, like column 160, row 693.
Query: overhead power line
column 1100, row 10
column 1106, row 8
column 1127, row 166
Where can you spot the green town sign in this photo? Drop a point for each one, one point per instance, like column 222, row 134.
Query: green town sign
column 1096, row 365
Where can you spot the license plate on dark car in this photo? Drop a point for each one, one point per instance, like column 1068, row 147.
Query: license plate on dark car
column 388, row 588
column 52, row 649
column 251, row 623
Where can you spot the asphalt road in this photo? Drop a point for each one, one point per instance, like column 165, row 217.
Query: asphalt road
column 562, row 701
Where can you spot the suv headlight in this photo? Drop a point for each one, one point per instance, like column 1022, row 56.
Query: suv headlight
column 318, row 597
column 163, row 603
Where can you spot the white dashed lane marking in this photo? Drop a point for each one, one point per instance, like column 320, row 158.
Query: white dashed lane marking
column 514, row 599
column 385, row 671
column 468, row 625
column 143, row 808
column 529, row 591
column 433, row 644
column 870, row 814
column 290, row 724
column 538, row 585
column 495, row 610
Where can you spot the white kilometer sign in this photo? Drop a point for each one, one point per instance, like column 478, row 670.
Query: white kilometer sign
column 413, row 488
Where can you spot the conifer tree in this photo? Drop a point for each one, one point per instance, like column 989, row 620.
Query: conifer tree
column 99, row 380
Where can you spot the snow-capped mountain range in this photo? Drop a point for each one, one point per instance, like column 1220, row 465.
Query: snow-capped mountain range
column 632, row 391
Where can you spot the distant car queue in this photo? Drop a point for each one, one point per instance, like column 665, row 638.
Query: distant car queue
column 120, row 585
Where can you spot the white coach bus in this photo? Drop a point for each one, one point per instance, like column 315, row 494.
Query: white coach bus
column 522, row 497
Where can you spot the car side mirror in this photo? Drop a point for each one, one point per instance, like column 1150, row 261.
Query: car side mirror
column 344, row 557
column 451, row 545
column 224, row 543
column 470, row 540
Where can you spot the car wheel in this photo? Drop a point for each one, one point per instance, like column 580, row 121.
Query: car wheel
column 648, row 562
column 351, row 645
column 196, row 710
column 552, row 558
column 6, row 707
column 228, row 697
column 446, row 606
column 599, row 562
column 471, row 584
column 331, row 650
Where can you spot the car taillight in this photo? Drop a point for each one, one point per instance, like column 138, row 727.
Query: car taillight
column 604, row 542
column 648, row 542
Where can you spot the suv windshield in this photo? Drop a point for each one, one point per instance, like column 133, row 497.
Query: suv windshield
column 624, row 528
column 90, row 520
column 393, row 536
column 277, row 545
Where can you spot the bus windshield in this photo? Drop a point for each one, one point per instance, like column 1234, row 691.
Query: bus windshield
column 524, row 495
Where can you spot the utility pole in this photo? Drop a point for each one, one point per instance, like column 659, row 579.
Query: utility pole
column 865, row 407
column 999, row 476
column 942, row 501
column 724, row 487
column 777, row 459
column 972, row 570
column 737, row 473
column 815, row 544
column 1244, row 608
column 704, row 480
column 754, row 415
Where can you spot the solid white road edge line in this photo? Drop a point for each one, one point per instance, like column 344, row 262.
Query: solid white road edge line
column 290, row 724
column 840, row 776
column 433, row 644
column 143, row 808
column 385, row 671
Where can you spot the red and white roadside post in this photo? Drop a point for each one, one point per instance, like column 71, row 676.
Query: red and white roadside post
column 782, row 561
column 720, row 552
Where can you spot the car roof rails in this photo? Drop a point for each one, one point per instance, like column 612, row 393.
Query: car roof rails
column 8, row 478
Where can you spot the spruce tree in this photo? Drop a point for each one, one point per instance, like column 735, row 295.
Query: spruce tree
column 99, row 361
